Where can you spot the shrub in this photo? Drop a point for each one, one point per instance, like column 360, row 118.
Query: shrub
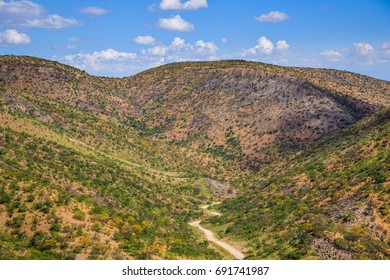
column 79, row 215
column 5, row 197
column 30, row 198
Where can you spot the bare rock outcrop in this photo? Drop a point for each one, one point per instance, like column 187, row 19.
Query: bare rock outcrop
column 219, row 189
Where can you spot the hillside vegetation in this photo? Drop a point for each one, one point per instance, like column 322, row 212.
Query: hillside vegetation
column 109, row 168
column 330, row 201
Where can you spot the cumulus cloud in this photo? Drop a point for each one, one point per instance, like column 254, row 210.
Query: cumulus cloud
column 15, row 11
column 266, row 51
column 274, row 16
column 360, row 54
column 13, row 37
column 113, row 54
column 144, row 40
column 26, row 13
column 282, row 45
column 178, row 43
column 112, row 62
column 264, row 46
column 108, row 60
column 52, row 22
column 178, row 5
column 179, row 48
column 93, row 11
column 62, row 47
column 385, row 45
column 206, row 47
column 332, row 55
column 363, row 49
column 175, row 23
column 156, row 51
column 386, row 49
column 224, row 40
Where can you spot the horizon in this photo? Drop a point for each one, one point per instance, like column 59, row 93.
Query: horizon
column 200, row 61
column 120, row 39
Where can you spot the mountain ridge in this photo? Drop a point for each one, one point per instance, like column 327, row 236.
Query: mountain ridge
column 224, row 110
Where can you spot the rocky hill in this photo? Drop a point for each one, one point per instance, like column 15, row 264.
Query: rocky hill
column 248, row 111
column 116, row 168
column 330, row 201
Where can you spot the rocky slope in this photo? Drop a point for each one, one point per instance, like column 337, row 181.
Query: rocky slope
column 249, row 111
column 330, row 201
column 245, row 110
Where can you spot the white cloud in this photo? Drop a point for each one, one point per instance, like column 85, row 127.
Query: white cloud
column 175, row 23
column 178, row 5
column 206, row 47
column 332, row 55
column 14, row 11
column 266, row 51
column 360, row 54
column 62, row 47
column 363, row 49
column 179, row 48
column 170, row 5
column 282, row 45
column 29, row 14
column 156, row 51
column 264, row 46
column 112, row 62
column 93, row 11
column 385, row 45
column 275, row 16
column 224, row 40
column 178, row 43
column 113, row 54
column 386, row 49
column 144, row 40
column 108, row 60
column 52, row 22
column 160, row 62
column 12, row 36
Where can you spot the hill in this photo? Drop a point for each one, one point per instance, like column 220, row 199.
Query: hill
column 97, row 167
column 248, row 111
column 330, row 201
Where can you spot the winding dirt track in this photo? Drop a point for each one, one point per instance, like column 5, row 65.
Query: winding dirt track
column 210, row 235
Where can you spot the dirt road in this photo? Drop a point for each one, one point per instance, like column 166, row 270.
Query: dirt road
column 210, row 235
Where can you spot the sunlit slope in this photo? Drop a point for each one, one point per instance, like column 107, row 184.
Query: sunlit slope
column 330, row 201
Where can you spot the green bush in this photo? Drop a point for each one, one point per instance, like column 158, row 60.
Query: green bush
column 79, row 215
column 5, row 197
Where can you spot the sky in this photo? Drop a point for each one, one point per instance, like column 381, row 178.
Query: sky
column 121, row 38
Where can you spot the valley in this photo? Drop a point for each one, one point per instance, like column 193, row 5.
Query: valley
column 119, row 168
column 210, row 235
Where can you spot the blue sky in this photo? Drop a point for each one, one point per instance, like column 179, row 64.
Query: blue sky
column 121, row 38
